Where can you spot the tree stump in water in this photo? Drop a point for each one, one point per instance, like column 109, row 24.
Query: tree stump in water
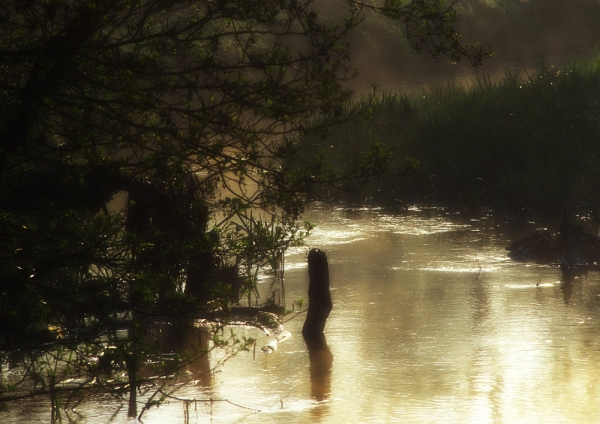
column 319, row 307
column 319, row 298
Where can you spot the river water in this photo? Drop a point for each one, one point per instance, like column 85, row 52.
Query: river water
column 431, row 324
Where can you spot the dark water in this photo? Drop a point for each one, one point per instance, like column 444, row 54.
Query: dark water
column 431, row 324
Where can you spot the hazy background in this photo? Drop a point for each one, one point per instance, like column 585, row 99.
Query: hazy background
column 522, row 33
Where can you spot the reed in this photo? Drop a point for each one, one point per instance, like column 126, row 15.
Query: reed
column 528, row 141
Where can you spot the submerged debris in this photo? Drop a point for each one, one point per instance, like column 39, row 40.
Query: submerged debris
column 573, row 247
column 539, row 247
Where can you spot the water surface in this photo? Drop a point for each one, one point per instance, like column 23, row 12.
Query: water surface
column 431, row 324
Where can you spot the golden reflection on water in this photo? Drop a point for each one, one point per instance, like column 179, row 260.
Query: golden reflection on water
column 438, row 339
column 431, row 324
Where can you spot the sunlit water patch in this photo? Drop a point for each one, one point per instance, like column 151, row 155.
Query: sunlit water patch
column 431, row 324
column 345, row 224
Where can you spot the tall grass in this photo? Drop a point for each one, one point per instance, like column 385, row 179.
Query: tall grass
column 526, row 142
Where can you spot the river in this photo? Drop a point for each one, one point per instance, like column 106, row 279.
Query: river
column 431, row 324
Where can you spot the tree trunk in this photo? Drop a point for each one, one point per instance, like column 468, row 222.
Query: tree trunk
column 131, row 361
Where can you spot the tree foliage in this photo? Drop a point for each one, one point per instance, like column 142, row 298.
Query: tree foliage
column 190, row 109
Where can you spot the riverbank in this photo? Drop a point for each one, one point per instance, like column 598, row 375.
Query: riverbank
column 525, row 144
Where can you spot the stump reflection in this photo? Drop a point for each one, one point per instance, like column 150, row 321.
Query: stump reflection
column 321, row 360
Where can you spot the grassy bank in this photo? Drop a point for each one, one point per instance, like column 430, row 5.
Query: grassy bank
column 526, row 143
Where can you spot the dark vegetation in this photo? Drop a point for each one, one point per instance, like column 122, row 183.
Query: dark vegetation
column 525, row 144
